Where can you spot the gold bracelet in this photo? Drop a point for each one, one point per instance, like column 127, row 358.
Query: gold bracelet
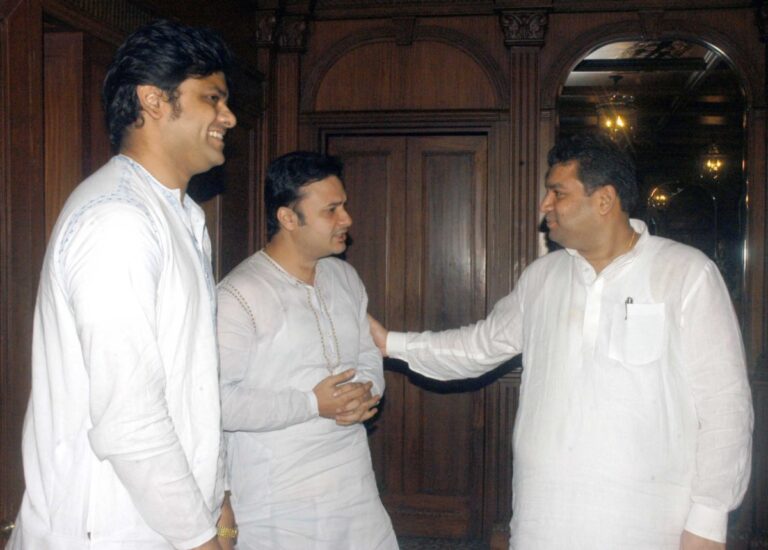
column 227, row 532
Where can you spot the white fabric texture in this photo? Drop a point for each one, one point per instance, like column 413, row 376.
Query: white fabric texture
column 635, row 419
column 298, row 481
column 122, row 435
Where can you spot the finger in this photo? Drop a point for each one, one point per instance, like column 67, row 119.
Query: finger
column 336, row 379
column 357, row 389
column 348, row 388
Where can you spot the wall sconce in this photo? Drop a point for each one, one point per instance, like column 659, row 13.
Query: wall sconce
column 713, row 163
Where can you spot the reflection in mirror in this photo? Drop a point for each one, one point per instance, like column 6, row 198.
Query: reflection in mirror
column 681, row 109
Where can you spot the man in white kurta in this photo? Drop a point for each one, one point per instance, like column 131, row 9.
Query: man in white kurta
column 292, row 330
column 122, row 437
column 634, row 423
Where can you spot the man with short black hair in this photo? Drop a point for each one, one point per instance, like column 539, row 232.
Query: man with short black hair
column 122, row 436
column 300, row 373
column 634, row 425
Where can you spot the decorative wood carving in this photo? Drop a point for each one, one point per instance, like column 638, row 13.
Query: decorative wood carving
column 524, row 28
column 118, row 14
column 650, row 24
column 292, row 34
column 264, row 34
column 404, row 30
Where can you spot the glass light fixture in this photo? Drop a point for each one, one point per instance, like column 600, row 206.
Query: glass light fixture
column 617, row 114
column 713, row 163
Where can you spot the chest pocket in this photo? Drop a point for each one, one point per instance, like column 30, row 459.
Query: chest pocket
column 638, row 333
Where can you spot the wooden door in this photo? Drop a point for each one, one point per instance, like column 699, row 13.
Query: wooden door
column 418, row 205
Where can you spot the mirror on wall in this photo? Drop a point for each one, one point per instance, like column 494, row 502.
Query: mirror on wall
column 679, row 108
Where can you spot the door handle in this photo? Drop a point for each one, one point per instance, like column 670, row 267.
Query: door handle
column 6, row 527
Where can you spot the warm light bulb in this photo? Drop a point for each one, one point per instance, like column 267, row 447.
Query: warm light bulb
column 619, row 122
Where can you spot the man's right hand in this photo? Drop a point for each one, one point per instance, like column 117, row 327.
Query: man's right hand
column 379, row 334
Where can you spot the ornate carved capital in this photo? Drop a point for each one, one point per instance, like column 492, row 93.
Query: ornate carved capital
column 524, row 28
column 264, row 34
column 292, row 35
column 650, row 23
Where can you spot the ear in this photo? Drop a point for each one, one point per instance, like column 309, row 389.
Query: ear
column 607, row 198
column 151, row 100
column 287, row 218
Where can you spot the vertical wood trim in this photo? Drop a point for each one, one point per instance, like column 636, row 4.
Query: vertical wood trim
column 757, row 249
column 286, row 95
column 524, row 159
column 63, row 119
column 22, row 227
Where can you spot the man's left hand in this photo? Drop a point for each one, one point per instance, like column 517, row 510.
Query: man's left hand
column 689, row 541
column 358, row 410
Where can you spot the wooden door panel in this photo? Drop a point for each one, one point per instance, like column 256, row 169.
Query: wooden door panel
column 445, row 288
column 418, row 204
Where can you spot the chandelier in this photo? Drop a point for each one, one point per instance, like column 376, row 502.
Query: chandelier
column 617, row 115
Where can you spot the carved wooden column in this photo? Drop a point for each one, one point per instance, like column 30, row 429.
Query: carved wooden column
column 524, row 36
column 291, row 43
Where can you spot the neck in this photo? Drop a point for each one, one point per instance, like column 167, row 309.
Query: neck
column 280, row 251
column 156, row 163
column 614, row 244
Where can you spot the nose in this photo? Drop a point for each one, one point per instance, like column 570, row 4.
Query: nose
column 227, row 117
column 546, row 203
column 345, row 219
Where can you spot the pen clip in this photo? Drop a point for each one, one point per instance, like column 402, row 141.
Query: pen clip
column 628, row 301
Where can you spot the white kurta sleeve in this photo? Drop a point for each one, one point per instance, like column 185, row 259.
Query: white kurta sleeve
column 111, row 264
column 245, row 408
column 369, row 364
column 714, row 361
column 466, row 352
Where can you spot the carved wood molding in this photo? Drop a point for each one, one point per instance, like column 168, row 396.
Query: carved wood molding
column 524, row 28
column 404, row 30
column 650, row 24
column 292, row 34
column 121, row 16
column 459, row 40
column 264, row 32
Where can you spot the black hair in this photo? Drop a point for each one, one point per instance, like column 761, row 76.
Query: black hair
column 287, row 174
column 600, row 162
column 162, row 54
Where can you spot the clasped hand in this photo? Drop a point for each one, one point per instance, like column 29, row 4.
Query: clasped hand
column 344, row 401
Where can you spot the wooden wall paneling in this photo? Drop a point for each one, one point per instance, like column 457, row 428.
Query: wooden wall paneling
column 98, row 56
column 63, row 123
column 759, row 485
column 501, row 410
column 241, row 219
column 374, row 176
column 22, row 225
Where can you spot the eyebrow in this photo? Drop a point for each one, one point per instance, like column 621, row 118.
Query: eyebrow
column 553, row 185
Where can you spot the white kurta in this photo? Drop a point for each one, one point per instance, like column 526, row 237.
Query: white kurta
column 298, row 481
column 122, row 435
column 635, row 416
